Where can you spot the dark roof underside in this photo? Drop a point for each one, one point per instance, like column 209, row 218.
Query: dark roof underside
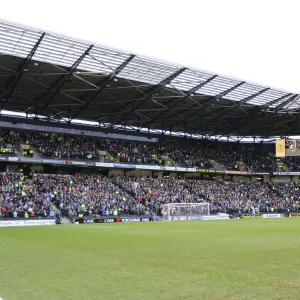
column 48, row 75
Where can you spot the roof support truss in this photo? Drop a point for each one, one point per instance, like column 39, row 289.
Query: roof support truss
column 102, row 86
column 277, row 109
column 208, row 102
column 59, row 84
column 226, row 111
column 243, row 122
column 152, row 91
column 178, row 100
column 15, row 81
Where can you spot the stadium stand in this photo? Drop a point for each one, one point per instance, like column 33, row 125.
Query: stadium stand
column 218, row 155
column 98, row 195
column 293, row 163
column 142, row 99
column 9, row 142
column 20, row 198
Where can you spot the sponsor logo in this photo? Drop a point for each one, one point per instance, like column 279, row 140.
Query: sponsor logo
column 294, row 214
column 112, row 220
column 260, row 173
column 145, row 220
column 286, row 173
column 196, row 218
column 13, row 158
column 272, row 216
column 147, row 167
column 236, row 172
column 180, row 169
column 250, row 216
column 107, row 165
column 215, row 218
column 130, row 220
column 78, row 163
column 209, row 171
column 124, row 166
column 168, row 168
column 88, row 221
column 54, row 161
column 26, row 223
column 7, row 223
column 109, row 220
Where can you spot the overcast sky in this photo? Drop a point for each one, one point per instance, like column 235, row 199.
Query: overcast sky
column 252, row 40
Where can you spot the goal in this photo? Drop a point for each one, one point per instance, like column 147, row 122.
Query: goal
column 185, row 211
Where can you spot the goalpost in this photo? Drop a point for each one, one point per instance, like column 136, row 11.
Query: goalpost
column 185, row 211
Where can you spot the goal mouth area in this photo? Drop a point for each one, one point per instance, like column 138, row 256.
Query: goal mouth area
column 187, row 204
column 185, row 211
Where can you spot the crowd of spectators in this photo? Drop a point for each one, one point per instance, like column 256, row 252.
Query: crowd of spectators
column 53, row 145
column 9, row 142
column 20, row 198
column 257, row 161
column 164, row 153
column 139, row 153
column 292, row 162
column 95, row 195
column 215, row 155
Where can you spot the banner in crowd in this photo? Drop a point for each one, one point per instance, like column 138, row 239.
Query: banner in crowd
column 287, row 147
column 280, row 147
column 292, row 147
column 113, row 220
column 26, row 223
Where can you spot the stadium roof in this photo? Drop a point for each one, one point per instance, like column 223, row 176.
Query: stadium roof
column 54, row 76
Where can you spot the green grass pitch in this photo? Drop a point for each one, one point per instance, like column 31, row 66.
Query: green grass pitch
column 234, row 259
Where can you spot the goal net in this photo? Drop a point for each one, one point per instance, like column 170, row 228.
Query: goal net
column 185, row 211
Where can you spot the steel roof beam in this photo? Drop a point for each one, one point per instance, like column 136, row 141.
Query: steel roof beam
column 13, row 84
column 238, row 104
column 296, row 124
column 274, row 113
column 283, row 104
column 188, row 94
column 256, row 110
column 209, row 101
column 103, row 84
column 59, row 84
column 277, row 110
column 152, row 91
column 244, row 101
